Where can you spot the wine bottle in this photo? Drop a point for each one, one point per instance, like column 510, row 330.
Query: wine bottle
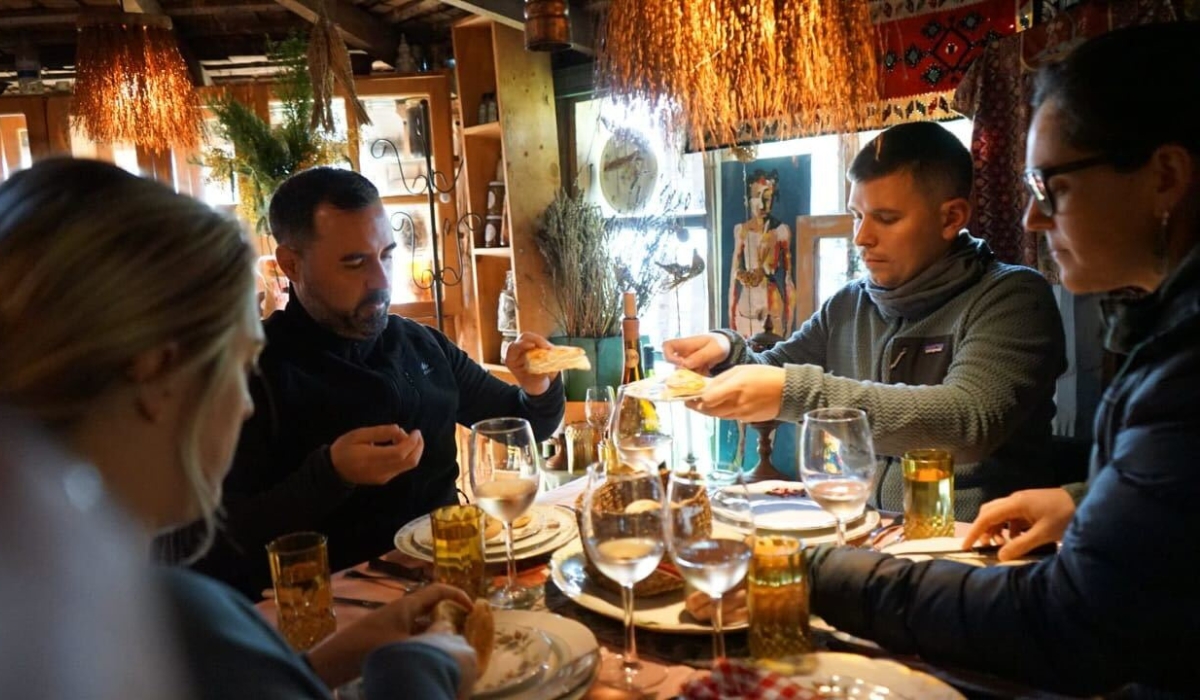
column 630, row 339
column 636, row 415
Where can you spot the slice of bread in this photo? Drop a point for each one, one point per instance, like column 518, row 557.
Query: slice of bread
column 684, row 382
column 476, row 625
column 556, row 359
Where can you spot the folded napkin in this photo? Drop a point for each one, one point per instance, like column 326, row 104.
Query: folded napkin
column 734, row 679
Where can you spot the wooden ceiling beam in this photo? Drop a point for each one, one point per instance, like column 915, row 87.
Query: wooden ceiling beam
column 413, row 9
column 39, row 18
column 22, row 19
column 231, row 8
column 358, row 27
column 511, row 13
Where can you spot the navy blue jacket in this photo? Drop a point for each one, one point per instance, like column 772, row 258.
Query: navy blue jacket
column 1119, row 604
column 316, row 386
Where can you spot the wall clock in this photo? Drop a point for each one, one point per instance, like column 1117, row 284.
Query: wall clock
column 628, row 171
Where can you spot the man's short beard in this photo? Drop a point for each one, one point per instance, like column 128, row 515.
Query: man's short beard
column 364, row 322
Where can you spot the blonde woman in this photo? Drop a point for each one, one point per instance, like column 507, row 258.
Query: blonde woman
column 128, row 325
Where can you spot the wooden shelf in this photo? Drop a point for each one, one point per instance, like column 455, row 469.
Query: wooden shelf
column 489, row 130
column 520, row 148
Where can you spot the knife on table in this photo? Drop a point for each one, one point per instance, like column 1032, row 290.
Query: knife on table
column 984, row 550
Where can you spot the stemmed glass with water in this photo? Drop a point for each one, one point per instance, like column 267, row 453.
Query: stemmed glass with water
column 504, row 476
column 598, row 409
column 626, row 545
column 713, row 558
column 837, row 462
column 640, row 430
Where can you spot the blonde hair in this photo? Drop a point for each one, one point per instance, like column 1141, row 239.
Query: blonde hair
column 98, row 265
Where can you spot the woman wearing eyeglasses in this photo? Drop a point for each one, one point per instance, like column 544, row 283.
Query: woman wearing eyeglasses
column 1114, row 179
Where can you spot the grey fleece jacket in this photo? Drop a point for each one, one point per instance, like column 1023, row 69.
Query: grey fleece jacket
column 963, row 357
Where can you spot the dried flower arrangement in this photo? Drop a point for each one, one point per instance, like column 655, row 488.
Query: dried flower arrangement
column 586, row 269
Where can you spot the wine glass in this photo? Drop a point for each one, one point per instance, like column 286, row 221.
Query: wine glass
column 837, row 462
column 626, row 545
column 504, row 476
column 598, row 409
column 712, row 557
column 639, row 431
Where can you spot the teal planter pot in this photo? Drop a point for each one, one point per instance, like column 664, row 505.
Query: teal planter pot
column 606, row 357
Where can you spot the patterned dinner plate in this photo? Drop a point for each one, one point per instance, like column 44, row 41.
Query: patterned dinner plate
column 519, row 657
column 558, row 528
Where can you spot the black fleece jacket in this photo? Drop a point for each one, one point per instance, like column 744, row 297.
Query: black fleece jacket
column 316, row 386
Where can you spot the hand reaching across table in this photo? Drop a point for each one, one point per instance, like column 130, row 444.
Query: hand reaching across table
column 1032, row 517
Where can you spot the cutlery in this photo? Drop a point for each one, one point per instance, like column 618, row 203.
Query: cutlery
column 359, row 602
column 874, row 537
column 985, row 550
column 383, row 580
column 398, row 571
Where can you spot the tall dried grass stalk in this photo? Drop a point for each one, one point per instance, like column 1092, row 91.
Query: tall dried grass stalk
column 739, row 71
column 132, row 84
column 329, row 63
column 587, row 271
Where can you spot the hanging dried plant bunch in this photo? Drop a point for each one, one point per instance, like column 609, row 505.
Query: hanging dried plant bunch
column 265, row 155
column 132, row 84
column 739, row 71
column 329, row 63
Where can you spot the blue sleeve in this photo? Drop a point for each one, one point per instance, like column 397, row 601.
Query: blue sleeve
column 229, row 649
column 410, row 670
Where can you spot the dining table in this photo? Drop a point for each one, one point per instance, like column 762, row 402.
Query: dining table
column 358, row 589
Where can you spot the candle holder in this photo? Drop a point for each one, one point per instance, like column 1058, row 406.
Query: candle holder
column 765, row 470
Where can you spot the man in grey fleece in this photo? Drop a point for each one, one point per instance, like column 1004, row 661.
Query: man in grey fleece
column 941, row 345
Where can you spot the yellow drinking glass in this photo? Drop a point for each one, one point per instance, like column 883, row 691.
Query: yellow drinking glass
column 777, row 596
column 303, row 597
column 928, row 494
column 458, row 548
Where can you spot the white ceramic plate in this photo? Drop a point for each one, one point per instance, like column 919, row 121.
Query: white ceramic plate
column 850, row 670
column 520, row 655
column 522, row 536
column 780, row 506
column 662, row 613
column 654, row 389
column 804, row 518
column 558, row 528
column 569, row 640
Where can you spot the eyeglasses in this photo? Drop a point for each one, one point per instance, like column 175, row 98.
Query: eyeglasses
column 1036, row 178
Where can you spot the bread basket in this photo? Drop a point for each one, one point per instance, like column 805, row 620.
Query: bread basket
column 664, row 579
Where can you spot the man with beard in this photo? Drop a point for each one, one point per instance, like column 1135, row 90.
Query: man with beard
column 354, row 429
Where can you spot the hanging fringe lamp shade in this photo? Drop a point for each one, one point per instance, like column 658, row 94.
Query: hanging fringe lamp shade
column 132, row 84
column 741, row 71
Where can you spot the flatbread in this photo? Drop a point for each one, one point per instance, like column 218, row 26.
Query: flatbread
column 556, row 359
column 684, row 382
column 480, row 632
column 476, row 625
column 493, row 527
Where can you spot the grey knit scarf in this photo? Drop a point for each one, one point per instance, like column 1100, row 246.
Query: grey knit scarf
column 962, row 266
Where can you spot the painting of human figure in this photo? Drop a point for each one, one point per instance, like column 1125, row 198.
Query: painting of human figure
column 759, row 248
